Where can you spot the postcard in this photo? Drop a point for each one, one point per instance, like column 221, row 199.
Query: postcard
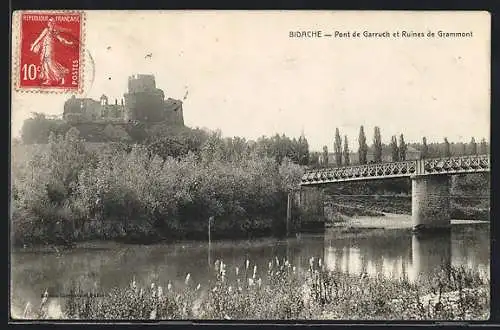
column 250, row 165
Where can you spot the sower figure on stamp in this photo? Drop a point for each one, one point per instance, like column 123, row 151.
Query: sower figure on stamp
column 51, row 70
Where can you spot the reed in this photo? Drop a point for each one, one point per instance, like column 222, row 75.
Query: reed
column 283, row 292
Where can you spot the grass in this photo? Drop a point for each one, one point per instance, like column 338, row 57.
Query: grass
column 283, row 292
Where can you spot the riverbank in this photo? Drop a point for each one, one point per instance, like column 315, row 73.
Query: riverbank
column 383, row 214
column 460, row 209
column 387, row 221
column 282, row 292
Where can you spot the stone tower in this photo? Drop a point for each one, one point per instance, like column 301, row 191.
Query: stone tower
column 144, row 102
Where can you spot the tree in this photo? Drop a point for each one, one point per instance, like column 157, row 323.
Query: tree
column 363, row 148
column 67, row 157
column 314, row 159
column 294, row 153
column 303, row 150
column 473, row 147
column 38, row 128
column 337, row 146
column 483, row 148
column 213, row 148
column 277, row 147
column 447, row 150
column 325, row 156
column 402, row 148
column 116, row 133
column 168, row 147
column 347, row 157
column 424, row 153
column 394, row 149
column 377, row 145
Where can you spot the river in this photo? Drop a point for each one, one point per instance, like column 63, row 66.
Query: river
column 394, row 252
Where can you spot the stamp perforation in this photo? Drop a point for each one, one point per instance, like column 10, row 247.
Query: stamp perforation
column 17, row 41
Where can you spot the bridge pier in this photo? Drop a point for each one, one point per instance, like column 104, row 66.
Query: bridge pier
column 430, row 202
column 311, row 204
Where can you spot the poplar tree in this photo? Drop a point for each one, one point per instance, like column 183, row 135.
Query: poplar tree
column 447, row 150
column 424, row 153
column 483, row 149
column 473, row 147
column 402, row 147
column 394, row 149
column 303, row 150
column 377, row 145
column 347, row 157
column 325, row 155
column 363, row 148
column 338, row 148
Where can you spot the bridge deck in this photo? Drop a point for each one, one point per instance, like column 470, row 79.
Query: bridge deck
column 433, row 166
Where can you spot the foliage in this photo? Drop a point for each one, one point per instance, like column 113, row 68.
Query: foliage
column 402, row 147
column 280, row 147
column 175, row 142
column 337, row 146
column 447, row 150
column 435, row 150
column 303, row 150
column 142, row 193
column 483, row 147
column 473, row 147
column 363, row 147
column 314, row 159
column 424, row 151
column 377, row 145
column 38, row 128
column 285, row 292
column 394, row 149
column 44, row 185
column 325, row 156
column 475, row 189
column 347, row 159
column 116, row 133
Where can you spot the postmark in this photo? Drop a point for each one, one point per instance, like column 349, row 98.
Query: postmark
column 50, row 55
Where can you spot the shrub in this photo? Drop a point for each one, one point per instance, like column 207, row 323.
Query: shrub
column 133, row 192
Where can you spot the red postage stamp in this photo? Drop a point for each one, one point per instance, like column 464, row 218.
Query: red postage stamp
column 50, row 51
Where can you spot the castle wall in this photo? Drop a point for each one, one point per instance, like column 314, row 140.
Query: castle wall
column 112, row 111
column 173, row 111
column 92, row 109
column 88, row 109
column 141, row 83
column 143, row 102
column 145, row 106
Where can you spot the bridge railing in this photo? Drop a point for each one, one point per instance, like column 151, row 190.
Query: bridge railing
column 357, row 172
column 469, row 163
column 454, row 164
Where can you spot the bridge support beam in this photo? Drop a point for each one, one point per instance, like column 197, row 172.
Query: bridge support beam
column 311, row 204
column 430, row 202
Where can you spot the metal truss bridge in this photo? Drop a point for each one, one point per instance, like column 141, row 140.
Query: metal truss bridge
column 433, row 166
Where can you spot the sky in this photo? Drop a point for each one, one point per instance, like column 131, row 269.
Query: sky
column 244, row 75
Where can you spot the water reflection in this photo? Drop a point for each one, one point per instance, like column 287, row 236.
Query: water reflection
column 395, row 253
column 399, row 253
column 430, row 252
column 386, row 253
